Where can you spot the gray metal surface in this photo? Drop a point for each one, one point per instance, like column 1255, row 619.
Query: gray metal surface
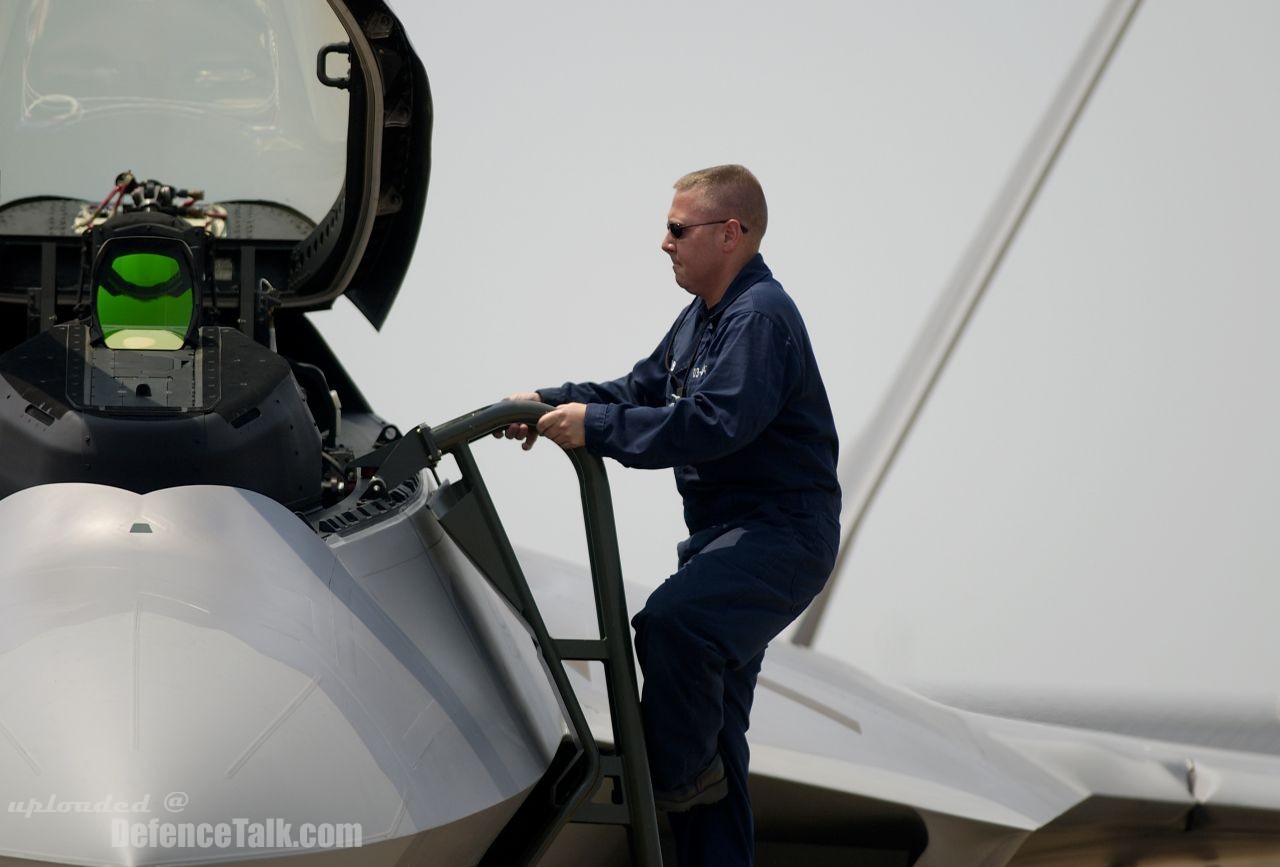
column 253, row 430
column 204, row 641
column 134, row 379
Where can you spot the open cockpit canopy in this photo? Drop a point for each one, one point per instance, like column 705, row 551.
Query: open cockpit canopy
column 294, row 134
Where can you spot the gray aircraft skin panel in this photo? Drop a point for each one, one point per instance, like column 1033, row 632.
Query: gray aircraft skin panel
column 985, row 790
column 389, row 561
column 204, row 643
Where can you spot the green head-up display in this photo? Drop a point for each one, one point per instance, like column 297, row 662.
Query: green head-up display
column 144, row 299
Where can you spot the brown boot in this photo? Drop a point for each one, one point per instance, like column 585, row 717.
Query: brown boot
column 707, row 787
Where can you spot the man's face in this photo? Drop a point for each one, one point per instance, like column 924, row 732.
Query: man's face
column 697, row 257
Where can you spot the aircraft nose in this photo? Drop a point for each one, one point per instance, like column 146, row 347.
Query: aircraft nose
column 140, row 711
column 197, row 656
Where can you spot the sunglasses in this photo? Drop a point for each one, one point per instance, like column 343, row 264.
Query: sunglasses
column 677, row 229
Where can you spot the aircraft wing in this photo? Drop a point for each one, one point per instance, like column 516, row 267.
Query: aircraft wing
column 846, row 766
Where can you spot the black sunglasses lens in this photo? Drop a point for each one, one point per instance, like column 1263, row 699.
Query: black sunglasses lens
column 676, row 230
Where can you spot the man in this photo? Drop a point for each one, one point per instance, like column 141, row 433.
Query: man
column 732, row 399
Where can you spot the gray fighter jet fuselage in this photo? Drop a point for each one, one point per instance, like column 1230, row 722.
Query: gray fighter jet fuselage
column 242, row 618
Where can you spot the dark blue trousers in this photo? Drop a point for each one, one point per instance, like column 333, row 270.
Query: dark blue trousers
column 700, row 640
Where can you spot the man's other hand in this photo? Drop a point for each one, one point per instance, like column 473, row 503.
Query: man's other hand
column 521, row 431
column 565, row 425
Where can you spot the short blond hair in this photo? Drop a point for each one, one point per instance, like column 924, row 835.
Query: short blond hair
column 734, row 192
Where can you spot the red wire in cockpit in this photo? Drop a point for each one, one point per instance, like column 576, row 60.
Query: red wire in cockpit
column 117, row 193
column 114, row 192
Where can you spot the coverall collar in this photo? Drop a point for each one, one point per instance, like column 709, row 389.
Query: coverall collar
column 753, row 272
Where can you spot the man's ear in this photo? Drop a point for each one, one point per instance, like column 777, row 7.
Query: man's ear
column 732, row 234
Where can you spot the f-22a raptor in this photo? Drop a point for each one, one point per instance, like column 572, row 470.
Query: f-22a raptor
column 243, row 618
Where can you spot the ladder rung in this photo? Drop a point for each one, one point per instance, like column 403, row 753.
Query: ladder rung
column 602, row 814
column 582, row 649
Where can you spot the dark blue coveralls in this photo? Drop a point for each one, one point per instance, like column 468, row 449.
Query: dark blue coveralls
column 732, row 399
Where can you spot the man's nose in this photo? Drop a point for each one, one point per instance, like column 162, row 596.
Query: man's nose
column 668, row 243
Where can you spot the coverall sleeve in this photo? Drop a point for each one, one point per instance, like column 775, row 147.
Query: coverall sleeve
column 645, row 385
column 749, row 379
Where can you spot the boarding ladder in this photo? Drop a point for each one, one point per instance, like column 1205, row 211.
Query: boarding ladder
column 572, row 788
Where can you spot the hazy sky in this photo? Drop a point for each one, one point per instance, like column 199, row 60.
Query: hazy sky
column 1088, row 500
